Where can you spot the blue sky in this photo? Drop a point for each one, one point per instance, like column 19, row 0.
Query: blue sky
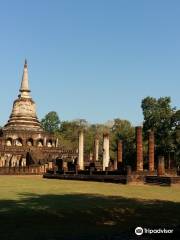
column 91, row 59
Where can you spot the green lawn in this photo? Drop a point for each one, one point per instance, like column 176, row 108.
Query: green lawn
column 35, row 208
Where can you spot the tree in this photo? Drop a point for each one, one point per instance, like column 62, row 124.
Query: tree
column 158, row 115
column 176, row 135
column 123, row 130
column 1, row 133
column 51, row 122
column 94, row 130
column 68, row 134
column 69, row 131
column 165, row 121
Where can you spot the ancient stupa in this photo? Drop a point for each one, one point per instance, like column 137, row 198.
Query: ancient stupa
column 23, row 142
column 23, row 116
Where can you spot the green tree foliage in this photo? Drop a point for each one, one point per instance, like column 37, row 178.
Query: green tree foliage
column 123, row 130
column 51, row 122
column 91, row 132
column 164, row 120
column 176, row 135
column 69, row 131
column 1, row 133
column 158, row 116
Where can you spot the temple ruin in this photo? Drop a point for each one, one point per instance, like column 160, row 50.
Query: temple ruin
column 23, row 142
column 25, row 148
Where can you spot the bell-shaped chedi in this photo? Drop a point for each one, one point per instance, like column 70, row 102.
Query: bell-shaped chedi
column 23, row 116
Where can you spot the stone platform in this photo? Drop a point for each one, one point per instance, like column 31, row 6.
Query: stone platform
column 162, row 180
column 114, row 177
column 27, row 170
column 95, row 178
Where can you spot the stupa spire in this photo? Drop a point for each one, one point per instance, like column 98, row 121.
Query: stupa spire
column 24, row 90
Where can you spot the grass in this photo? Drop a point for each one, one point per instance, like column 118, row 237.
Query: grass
column 35, row 208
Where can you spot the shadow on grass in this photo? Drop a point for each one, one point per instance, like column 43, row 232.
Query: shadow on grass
column 83, row 216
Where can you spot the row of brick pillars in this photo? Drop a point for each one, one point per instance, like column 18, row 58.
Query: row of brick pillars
column 95, row 157
column 139, row 149
column 119, row 161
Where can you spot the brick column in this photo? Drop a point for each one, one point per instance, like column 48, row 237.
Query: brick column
column 151, row 151
column 119, row 152
column 96, row 149
column 106, row 157
column 119, row 160
column 139, row 149
column 81, row 151
column 161, row 166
